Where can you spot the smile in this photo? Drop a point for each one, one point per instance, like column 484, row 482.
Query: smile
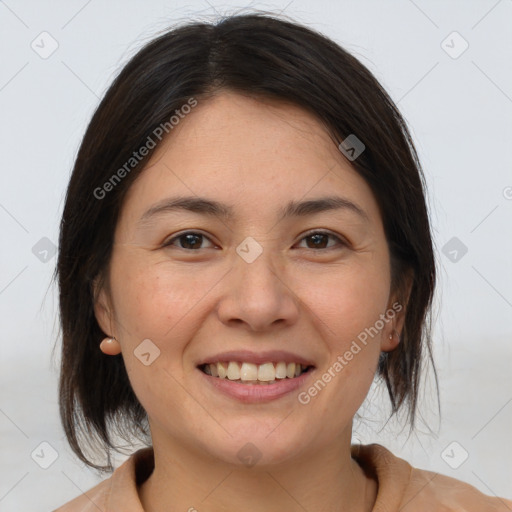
column 250, row 373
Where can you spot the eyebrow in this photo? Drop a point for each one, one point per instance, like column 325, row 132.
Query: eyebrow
column 214, row 208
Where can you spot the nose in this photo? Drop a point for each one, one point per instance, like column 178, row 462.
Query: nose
column 258, row 296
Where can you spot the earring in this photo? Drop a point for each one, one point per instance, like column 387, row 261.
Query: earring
column 110, row 346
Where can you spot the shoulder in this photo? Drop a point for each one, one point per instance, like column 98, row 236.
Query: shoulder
column 449, row 494
column 119, row 492
column 408, row 489
column 94, row 500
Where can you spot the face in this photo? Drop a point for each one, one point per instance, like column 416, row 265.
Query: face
column 261, row 280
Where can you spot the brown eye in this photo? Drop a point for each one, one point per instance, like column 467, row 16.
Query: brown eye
column 319, row 240
column 188, row 241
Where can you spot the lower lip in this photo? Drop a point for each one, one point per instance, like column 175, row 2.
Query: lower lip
column 256, row 393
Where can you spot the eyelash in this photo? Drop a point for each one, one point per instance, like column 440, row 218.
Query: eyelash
column 169, row 243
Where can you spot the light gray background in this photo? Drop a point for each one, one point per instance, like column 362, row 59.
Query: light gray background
column 459, row 110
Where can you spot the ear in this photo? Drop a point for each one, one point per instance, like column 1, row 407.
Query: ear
column 102, row 307
column 103, row 314
column 396, row 313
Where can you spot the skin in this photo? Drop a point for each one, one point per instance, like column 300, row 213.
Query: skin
column 255, row 155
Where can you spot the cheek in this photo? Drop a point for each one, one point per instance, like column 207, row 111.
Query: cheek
column 156, row 304
column 350, row 300
column 152, row 298
column 166, row 305
column 347, row 310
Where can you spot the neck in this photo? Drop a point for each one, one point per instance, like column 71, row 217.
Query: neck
column 328, row 479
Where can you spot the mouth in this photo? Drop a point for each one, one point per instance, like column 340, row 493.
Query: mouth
column 248, row 373
column 255, row 377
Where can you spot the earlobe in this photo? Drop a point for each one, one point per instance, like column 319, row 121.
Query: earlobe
column 393, row 332
column 391, row 342
column 109, row 345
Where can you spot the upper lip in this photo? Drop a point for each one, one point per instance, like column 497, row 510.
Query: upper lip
column 246, row 356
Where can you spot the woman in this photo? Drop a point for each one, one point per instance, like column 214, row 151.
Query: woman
column 244, row 247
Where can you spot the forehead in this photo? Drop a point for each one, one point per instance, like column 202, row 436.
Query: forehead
column 248, row 153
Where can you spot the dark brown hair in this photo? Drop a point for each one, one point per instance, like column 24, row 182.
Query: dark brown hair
column 265, row 57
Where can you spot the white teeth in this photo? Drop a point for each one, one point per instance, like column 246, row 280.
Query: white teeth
column 233, row 371
column 222, row 370
column 251, row 373
column 281, row 371
column 266, row 372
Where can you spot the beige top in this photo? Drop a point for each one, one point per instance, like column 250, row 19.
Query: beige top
column 400, row 487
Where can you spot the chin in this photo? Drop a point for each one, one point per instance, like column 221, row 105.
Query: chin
column 253, row 444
